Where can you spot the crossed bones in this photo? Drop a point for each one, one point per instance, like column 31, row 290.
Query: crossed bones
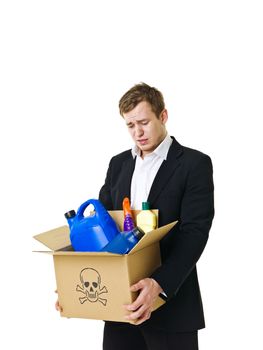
column 91, row 281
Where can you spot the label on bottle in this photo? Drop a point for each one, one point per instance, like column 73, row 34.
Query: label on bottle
column 146, row 220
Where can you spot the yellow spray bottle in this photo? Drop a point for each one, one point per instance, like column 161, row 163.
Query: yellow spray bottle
column 146, row 220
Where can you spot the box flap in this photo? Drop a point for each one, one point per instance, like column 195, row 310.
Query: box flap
column 90, row 254
column 56, row 239
column 152, row 237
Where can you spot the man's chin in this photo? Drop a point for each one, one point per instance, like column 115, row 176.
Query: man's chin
column 145, row 149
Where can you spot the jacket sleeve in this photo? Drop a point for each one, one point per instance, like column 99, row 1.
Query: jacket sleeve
column 191, row 234
column 105, row 191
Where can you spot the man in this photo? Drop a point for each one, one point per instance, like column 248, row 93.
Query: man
column 178, row 181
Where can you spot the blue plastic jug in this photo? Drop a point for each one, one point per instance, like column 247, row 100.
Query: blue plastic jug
column 124, row 241
column 91, row 233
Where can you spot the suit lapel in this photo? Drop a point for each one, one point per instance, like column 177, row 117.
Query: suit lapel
column 166, row 170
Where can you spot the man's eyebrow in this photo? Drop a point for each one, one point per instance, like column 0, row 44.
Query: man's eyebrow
column 137, row 121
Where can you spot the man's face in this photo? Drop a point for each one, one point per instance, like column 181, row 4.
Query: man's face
column 145, row 128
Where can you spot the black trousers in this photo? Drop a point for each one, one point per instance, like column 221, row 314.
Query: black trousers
column 124, row 336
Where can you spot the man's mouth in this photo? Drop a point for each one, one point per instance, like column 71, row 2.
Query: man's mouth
column 142, row 141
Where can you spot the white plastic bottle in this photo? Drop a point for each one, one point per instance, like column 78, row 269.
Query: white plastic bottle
column 146, row 220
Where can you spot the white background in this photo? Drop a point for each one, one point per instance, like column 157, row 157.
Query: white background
column 64, row 66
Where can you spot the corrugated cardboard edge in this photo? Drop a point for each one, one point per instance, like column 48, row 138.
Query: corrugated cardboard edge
column 153, row 236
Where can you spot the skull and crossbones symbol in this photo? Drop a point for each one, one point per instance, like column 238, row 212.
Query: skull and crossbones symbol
column 91, row 286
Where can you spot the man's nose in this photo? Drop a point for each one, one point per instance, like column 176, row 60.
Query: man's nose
column 138, row 131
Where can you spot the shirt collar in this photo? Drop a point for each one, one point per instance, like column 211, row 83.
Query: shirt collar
column 161, row 151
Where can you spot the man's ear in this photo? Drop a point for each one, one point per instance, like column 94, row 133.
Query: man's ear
column 164, row 116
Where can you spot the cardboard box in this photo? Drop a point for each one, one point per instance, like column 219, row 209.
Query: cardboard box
column 96, row 285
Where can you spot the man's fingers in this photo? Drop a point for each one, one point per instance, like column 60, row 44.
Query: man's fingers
column 137, row 286
column 139, row 316
column 136, row 314
column 141, row 308
column 143, row 317
column 58, row 307
column 136, row 304
column 142, row 299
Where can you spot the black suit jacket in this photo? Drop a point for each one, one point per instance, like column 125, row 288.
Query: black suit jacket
column 182, row 190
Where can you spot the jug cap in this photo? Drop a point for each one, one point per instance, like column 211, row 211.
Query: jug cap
column 70, row 214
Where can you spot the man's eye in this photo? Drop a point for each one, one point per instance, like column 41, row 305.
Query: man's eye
column 130, row 126
column 145, row 122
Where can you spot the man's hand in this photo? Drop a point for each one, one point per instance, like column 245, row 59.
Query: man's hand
column 141, row 308
column 57, row 305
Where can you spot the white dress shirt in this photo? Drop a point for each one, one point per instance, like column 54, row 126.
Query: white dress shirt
column 146, row 170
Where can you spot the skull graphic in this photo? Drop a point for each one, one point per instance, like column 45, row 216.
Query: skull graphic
column 91, row 286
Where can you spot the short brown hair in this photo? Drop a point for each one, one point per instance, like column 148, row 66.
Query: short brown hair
column 142, row 92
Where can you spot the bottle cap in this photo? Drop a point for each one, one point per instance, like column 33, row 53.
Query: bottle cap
column 126, row 206
column 138, row 232
column 70, row 214
column 145, row 206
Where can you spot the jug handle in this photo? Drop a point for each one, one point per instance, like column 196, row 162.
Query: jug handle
column 97, row 206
